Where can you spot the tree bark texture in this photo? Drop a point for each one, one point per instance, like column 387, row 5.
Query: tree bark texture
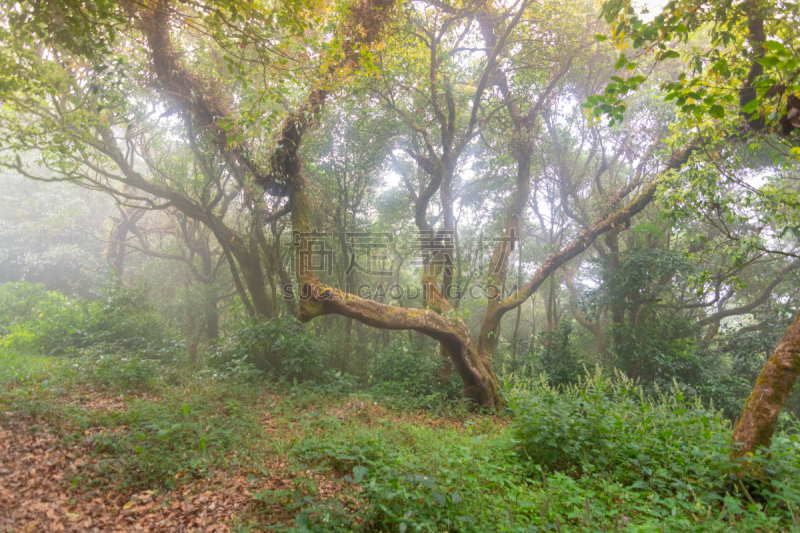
column 761, row 410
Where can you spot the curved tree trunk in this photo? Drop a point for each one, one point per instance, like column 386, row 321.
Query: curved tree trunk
column 761, row 410
column 474, row 366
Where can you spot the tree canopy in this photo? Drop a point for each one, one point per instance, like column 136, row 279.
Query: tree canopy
column 483, row 153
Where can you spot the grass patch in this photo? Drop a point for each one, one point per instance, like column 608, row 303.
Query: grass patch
column 600, row 456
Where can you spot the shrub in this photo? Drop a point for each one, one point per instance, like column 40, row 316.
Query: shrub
column 153, row 444
column 280, row 346
column 117, row 372
column 17, row 303
column 610, row 425
column 669, row 444
column 120, row 320
column 411, row 377
column 661, row 350
column 558, row 358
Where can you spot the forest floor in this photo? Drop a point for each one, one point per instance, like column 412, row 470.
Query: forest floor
column 36, row 494
column 117, row 445
column 210, row 457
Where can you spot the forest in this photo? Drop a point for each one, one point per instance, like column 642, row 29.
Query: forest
column 399, row 266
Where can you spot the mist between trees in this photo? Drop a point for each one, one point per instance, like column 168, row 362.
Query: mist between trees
column 310, row 192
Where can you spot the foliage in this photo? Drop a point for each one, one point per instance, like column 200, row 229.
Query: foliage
column 744, row 44
column 596, row 457
column 17, row 303
column 558, row 359
column 153, row 441
column 467, row 117
column 120, row 319
column 45, row 234
column 164, row 441
column 667, row 445
column 666, row 347
column 599, row 456
column 409, row 375
column 280, row 346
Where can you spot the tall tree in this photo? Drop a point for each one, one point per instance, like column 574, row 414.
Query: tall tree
column 239, row 91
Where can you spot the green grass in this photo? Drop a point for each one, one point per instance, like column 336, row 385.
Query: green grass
column 598, row 457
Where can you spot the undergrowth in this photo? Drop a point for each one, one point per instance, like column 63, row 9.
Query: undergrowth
column 597, row 456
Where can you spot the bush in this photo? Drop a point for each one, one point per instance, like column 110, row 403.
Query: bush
column 411, row 478
column 558, row 359
column 121, row 320
column 153, row 444
column 609, row 425
column 410, row 376
column 280, row 346
column 117, row 372
column 17, row 303
column 670, row 445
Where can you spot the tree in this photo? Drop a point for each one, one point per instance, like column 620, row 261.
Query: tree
column 743, row 87
column 459, row 79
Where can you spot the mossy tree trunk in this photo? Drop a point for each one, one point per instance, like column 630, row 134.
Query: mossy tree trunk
column 282, row 175
column 761, row 410
column 473, row 366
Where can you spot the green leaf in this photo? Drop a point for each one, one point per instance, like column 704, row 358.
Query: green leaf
column 669, row 54
column 716, row 111
column 358, row 473
column 751, row 107
column 621, row 62
column 600, row 37
column 773, row 45
column 769, row 61
column 302, row 521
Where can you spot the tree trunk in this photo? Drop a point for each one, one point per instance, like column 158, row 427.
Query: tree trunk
column 348, row 343
column 212, row 320
column 595, row 326
column 474, row 366
column 761, row 410
column 191, row 338
column 533, row 324
column 249, row 261
column 550, row 310
column 516, row 332
column 116, row 249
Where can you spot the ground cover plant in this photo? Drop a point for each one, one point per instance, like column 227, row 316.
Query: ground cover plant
column 399, row 265
column 599, row 455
